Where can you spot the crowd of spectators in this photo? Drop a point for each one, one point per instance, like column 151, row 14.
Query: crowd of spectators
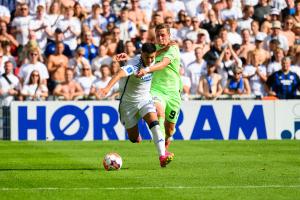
column 64, row 49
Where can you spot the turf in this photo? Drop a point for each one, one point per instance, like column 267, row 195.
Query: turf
column 201, row 170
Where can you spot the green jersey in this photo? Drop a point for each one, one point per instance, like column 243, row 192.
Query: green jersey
column 168, row 79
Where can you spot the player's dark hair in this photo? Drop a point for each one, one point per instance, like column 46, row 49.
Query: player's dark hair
column 148, row 48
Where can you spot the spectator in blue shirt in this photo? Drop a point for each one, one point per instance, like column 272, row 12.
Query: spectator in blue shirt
column 284, row 83
column 237, row 84
column 106, row 12
column 91, row 50
column 51, row 46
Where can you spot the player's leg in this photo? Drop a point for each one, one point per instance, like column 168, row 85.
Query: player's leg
column 172, row 113
column 148, row 112
column 160, row 105
column 158, row 137
column 133, row 134
column 129, row 120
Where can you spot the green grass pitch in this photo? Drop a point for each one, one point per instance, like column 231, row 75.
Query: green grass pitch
column 218, row 170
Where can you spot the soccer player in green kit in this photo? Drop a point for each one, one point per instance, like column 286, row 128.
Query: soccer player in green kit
column 166, row 82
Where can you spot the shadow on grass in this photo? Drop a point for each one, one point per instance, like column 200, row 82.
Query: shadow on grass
column 55, row 169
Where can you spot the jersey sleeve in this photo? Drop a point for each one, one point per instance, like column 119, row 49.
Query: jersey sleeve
column 171, row 53
column 129, row 69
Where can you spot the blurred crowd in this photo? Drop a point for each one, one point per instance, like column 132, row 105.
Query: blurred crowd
column 64, row 49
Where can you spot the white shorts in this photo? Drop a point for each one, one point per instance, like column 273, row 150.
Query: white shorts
column 130, row 113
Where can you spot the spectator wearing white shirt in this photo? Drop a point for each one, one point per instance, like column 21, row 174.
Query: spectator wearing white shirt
column 86, row 80
column 54, row 16
column 71, row 28
column 276, row 34
column 278, row 4
column 245, row 21
column 96, row 23
column 127, row 28
column 196, row 69
column 9, row 85
column 78, row 62
column 33, row 64
column 20, row 25
column 257, row 76
column 33, row 4
column 187, row 55
column 230, row 12
column 225, row 63
column 101, row 59
column 9, row 90
column 4, row 14
column 102, row 82
column 187, row 27
column 233, row 36
column 193, row 34
column 202, row 11
column 191, row 7
column 34, row 90
column 40, row 25
column 255, row 31
column 275, row 65
column 173, row 31
column 175, row 6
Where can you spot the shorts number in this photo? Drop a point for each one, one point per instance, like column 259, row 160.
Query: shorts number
column 172, row 114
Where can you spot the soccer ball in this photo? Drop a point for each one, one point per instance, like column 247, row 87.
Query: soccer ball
column 112, row 161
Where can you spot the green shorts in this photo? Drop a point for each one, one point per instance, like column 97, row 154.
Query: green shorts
column 171, row 104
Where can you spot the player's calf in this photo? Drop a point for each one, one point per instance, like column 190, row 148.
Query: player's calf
column 135, row 139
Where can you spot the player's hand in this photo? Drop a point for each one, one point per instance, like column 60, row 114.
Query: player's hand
column 141, row 73
column 121, row 57
column 166, row 48
column 103, row 91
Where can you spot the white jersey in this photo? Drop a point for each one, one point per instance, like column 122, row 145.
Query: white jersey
column 133, row 89
column 256, row 84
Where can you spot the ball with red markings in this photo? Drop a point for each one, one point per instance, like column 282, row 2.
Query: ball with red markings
column 112, row 161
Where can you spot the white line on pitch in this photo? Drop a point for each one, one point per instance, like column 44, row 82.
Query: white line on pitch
column 156, row 187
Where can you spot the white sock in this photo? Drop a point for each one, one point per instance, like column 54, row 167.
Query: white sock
column 159, row 140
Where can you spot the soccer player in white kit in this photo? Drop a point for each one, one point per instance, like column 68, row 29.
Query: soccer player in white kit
column 136, row 101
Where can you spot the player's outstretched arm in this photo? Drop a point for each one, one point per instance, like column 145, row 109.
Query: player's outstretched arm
column 112, row 82
column 158, row 66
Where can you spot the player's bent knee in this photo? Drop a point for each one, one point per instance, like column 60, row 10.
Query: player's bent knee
column 152, row 124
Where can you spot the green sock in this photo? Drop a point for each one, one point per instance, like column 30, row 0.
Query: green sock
column 162, row 125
